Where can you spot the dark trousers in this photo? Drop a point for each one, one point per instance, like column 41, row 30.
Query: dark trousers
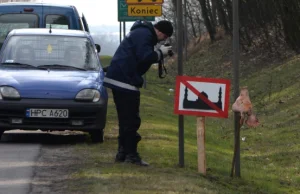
column 128, row 105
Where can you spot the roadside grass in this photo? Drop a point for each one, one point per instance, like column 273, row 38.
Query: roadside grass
column 270, row 153
column 105, row 60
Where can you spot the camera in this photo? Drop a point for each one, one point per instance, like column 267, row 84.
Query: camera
column 170, row 52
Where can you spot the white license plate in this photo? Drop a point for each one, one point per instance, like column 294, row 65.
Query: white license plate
column 47, row 113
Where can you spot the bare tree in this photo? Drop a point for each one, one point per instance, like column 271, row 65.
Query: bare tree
column 207, row 19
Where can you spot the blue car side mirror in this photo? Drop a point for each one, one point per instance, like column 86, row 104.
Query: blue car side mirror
column 98, row 48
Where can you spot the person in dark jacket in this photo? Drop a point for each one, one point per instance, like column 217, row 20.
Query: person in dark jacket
column 131, row 61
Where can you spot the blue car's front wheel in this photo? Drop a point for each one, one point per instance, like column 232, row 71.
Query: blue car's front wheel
column 97, row 136
column 1, row 132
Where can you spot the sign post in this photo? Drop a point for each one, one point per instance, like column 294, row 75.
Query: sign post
column 235, row 69
column 201, row 145
column 180, row 72
column 201, row 97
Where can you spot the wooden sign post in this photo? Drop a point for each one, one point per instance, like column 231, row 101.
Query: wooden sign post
column 201, row 145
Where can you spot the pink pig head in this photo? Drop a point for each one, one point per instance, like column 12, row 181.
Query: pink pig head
column 242, row 103
column 252, row 121
column 244, row 106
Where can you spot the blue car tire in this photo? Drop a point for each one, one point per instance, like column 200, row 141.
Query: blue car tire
column 97, row 136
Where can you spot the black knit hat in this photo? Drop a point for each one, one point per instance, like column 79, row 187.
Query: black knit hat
column 165, row 27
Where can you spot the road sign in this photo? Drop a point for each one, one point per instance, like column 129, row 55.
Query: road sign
column 144, row 2
column 144, row 10
column 202, row 96
column 123, row 13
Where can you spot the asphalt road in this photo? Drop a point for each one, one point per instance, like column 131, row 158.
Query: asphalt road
column 16, row 167
column 20, row 158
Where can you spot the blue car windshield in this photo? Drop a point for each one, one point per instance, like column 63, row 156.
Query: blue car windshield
column 44, row 50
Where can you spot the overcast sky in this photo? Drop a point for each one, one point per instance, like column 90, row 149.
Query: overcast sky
column 97, row 12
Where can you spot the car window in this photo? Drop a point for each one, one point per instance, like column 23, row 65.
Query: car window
column 9, row 22
column 57, row 21
column 48, row 50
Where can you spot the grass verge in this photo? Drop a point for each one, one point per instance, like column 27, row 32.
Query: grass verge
column 269, row 153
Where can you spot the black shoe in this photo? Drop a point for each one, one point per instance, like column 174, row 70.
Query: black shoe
column 135, row 159
column 120, row 157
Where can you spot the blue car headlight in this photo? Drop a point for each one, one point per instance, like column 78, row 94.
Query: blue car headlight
column 9, row 93
column 88, row 95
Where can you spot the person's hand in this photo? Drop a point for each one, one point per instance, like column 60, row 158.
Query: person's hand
column 105, row 69
column 165, row 49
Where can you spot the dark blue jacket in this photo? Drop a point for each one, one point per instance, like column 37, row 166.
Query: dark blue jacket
column 133, row 58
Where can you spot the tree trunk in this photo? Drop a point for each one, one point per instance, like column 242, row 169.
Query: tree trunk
column 214, row 11
column 228, row 5
column 205, row 14
column 189, row 15
column 222, row 16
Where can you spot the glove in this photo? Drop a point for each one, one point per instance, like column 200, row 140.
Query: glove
column 105, row 69
column 165, row 49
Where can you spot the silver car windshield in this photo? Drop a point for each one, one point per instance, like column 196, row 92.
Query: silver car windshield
column 55, row 50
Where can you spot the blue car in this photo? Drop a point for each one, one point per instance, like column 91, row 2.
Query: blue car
column 51, row 79
column 15, row 15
